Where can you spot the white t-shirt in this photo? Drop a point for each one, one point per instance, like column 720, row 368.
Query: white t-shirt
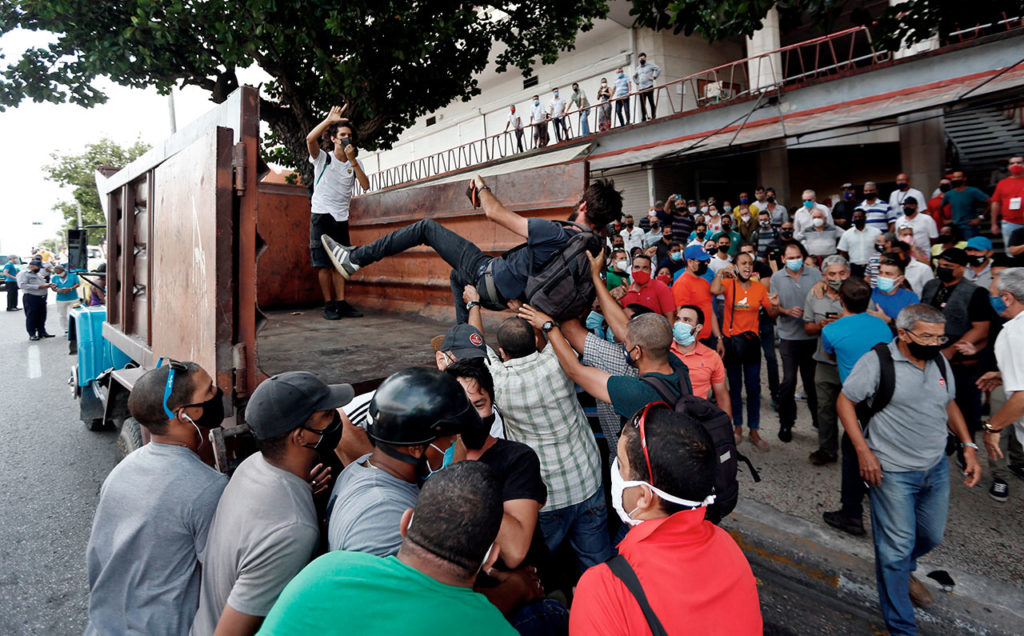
column 515, row 120
column 802, row 219
column 917, row 275
column 632, row 238
column 859, row 244
column 717, row 264
column 332, row 186
column 898, row 196
column 537, row 114
column 557, row 106
column 924, row 229
column 1010, row 358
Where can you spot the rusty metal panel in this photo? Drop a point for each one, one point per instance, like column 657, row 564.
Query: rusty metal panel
column 192, row 288
column 283, row 272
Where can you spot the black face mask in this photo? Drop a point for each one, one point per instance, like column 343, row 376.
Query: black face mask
column 701, row 233
column 977, row 261
column 945, row 187
column 724, row 249
column 924, row 352
column 702, row 268
column 870, row 196
column 489, row 420
column 902, row 186
column 909, row 211
column 860, row 223
column 945, row 274
column 213, row 411
column 957, row 182
column 771, row 199
column 329, row 437
column 879, row 248
column 786, row 234
column 711, row 250
column 726, row 228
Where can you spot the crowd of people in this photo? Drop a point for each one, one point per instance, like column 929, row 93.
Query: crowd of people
column 456, row 489
column 36, row 280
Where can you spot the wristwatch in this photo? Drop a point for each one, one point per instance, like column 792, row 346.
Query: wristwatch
column 548, row 326
column 471, row 304
column 989, row 428
column 969, row 445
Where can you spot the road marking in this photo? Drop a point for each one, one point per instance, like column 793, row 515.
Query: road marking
column 35, row 370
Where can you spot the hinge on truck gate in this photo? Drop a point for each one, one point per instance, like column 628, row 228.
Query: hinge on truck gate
column 238, row 169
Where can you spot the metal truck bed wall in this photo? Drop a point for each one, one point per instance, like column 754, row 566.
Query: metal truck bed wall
column 203, row 256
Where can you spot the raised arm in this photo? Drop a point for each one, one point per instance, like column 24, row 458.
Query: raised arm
column 497, row 212
column 594, row 381
column 613, row 312
column 313, row 138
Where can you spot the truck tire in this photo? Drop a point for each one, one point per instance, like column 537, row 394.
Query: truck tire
column 130, row 438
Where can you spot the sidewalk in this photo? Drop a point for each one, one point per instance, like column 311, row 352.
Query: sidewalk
column 778, row 523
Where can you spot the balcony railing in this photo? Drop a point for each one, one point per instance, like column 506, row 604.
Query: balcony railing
column 822, row 57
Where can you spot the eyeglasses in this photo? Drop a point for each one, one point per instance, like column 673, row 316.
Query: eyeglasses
column 939, row 340
column 174, row 366
column 638, row 423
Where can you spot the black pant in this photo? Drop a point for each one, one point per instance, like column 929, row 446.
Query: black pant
column 646, row 97
column 797, row 355
column 766, row 329
column 35, row 314
column 853, row 489
column 12, row 294
column 465, row 258
column 968, row 395
column 519, row 139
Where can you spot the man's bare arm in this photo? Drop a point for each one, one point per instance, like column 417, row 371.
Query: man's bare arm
column 497, row 212
column 313, row 138
column 613, row 312
column 594, row 381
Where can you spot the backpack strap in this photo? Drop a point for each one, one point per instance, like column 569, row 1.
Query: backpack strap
column 886, row 386
column 622, row 570
column 327, row 163
column 662, row 388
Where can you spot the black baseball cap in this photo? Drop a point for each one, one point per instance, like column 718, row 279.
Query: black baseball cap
column 910, row 201
column 286, row 401
column 956, row 256
column 465, row 342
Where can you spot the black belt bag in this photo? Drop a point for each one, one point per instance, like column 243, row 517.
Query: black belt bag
column 490, row 298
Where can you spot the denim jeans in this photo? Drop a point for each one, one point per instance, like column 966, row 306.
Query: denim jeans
column 827, row 387
column 908, row 517
column 561, row 129
column 797, row 355
column 738, row 373
column 546, row 617
column 1007, row 229
column 465, row 258
column 622, row 104
column 766, row 329
column 585, row 525
column 519, row 139
column 584, row 122
column 852, row 489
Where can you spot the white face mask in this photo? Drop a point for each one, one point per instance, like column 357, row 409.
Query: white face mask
column 818, row 222
column 745, row 218
column 619, row 485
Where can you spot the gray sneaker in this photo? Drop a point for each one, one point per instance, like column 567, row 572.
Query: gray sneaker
column 339, row 255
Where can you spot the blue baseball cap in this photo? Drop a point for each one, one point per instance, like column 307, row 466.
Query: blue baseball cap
column 979, row 243
column 696, row 252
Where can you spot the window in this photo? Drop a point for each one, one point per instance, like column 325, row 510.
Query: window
column 530, row 82
column 431, row 120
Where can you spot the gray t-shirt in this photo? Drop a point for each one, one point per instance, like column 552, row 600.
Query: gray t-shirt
column 148, row 538
column 264, row 532
column 793, row 293
column 366, row 507
column 817, row 309
column 909, row 433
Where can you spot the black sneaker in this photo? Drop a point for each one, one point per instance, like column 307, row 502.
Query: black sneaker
column 331, row 311
column 47, row 335
column 33, row 338
column 339, row 255
column 838, row 520
column 1016, row 469
column 1000, row 490
column 346, row 310
column 786, row 434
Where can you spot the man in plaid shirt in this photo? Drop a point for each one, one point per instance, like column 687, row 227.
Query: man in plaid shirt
column 539, row 406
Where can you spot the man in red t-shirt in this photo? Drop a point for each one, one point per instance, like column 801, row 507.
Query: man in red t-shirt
column 691, row 288
column 693, row 575
column 943, row 214
column 1008, row 200
column 649, row 292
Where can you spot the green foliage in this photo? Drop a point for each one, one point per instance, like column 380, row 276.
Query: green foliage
column 391, row 61
column 77, row 172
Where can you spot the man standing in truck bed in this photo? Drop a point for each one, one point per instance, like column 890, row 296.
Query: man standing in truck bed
column 500, row 279
column 333, row 181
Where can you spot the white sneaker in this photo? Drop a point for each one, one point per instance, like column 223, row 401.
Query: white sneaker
column 339, row 255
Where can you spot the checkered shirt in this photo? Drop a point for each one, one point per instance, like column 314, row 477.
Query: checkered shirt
column 610, row 358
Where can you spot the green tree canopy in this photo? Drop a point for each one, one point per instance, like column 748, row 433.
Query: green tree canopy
column 77, row 172
column 392, row 62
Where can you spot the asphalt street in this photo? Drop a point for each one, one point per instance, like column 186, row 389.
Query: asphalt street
column 51, row 470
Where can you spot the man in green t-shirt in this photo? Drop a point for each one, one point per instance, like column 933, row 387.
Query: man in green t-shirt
column 427, row 588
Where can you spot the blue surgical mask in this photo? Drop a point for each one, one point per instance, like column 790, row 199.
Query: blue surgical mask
column 886, row 285
column 449, row 455
column 728, row 208
column 594, row 320
column 794, row 264
column 683, row 334
column 997, row 304
column 847, row 195
column 676, row 256
column 536, row 102
column 808, row 204
column 744, row 200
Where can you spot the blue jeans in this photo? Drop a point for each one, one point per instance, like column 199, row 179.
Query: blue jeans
column 1007, row 229
column 622, row 104
column 584, row 122
column 738, row 373
column 585, row 525
column 908, row 517
column 541, row 618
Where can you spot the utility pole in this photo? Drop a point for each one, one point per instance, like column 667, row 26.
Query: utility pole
column 170, row 111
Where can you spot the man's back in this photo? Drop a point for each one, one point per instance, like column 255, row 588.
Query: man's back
column 148, row 538
column 354, row 593
column 511, row 271
column 539, row 405
column 850, row 337
column 366, row 507
column 263, row 533
column 693, row 574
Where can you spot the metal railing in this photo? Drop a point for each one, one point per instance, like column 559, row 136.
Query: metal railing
column 822, row 57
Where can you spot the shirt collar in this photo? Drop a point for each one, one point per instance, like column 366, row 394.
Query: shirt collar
column 672, row 527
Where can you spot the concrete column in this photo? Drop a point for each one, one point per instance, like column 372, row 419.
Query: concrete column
column 925, row 45
column 765, row 71
column 923, row 149
column 773, row 171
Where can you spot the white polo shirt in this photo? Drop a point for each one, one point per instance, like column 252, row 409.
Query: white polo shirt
column 924, row 229
column 859, row 244
column 1010, row 358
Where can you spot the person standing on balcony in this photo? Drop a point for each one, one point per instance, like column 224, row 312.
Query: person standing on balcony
column 516, row 122
column 334, row 179
column 1008, row 200
column 580, row 101
column 539, row 121
column 902, row 192
column 557, row 108
column 622, row 90
column 644, row 76
column 604, row 111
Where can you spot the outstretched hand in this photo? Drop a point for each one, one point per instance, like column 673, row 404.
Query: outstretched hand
column 470, row 294
column 990, row 381
column 596, row 263
column 535, row 317
column 337, row 114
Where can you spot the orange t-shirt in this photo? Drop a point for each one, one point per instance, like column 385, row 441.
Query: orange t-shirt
column 704, row 365
column 741, row 306
column 694, row 290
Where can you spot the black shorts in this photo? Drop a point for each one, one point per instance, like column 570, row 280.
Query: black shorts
column 320, row 224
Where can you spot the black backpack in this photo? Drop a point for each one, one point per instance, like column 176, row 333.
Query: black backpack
column 718, row 424
column 562, row 287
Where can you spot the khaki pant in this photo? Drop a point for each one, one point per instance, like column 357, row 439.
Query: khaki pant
column 62, row 311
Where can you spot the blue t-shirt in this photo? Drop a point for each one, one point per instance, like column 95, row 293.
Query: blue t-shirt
column 67, row 280
column 963, row 204
column 11, row 269
column 544, row 238
column 851, row 337
column 892, row 305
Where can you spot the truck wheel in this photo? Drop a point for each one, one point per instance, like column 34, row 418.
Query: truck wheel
column 130, row 438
